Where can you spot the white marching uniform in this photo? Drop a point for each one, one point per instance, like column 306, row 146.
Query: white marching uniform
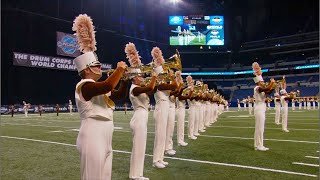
column 300, row 105
column 277, row 107
column 202, row 115
column 250, row 108
column 94, row 141
column 304, row 104
column 161, row 116
column 260, row 116
column 293, row 104
column 138, row 125
column 170, row 123
column 314, row 104
column 192, row 117
column 215, row 111
column 25, row 108
column 284, row 104
column 207, row 113
column 308, row 105
column 181, row 112
column 197, row 118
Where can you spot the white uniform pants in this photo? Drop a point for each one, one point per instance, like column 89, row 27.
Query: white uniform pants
column 215, row 112
column 260, row 117
column 94, row 143
column 314, row 105
column 138, row 125
column 161, row 115
column 26, row 113
column 170, row 126
column 197, row 119
column 181, row 112
column 239, row 107
column 293, row 106
column 284, row 118
column 201, row 122
column 250, row 108
column 191, row 119
column 277, row 117
column 300, row 105
column 207, row 116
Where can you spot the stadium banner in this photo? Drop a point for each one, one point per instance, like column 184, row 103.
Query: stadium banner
column 40, row 61
column 67, row 45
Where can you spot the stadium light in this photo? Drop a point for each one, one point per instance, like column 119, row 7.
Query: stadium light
column 175, row 1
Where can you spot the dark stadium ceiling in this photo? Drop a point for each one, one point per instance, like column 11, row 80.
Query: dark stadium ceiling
column 145, row 22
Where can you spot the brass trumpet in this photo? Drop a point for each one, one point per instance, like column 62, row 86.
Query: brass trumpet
column 127, row 73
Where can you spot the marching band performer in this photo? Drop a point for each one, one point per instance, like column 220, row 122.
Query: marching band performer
column 198, row 111
column 192, row 111
column 161, row 112
column 268, row 103
column 239, row 105
column 308, row 103
column 139, row 97
column 284, row 103
column 260, row 106
column 201, row 127
column 207, row 105
column 244, row 101
column 277, row 106
column 313, row 103
column 26, row 107
column 172, row 114
column 95, row 105
column 180, row 111
column 70, row 106
column 300, row 103
column 293, row 104
column 305, row 103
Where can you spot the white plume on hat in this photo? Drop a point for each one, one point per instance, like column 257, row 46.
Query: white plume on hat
column 157, row 56
column 83, row 26
column 133, row 58
column 132, row 55
column 257, row 71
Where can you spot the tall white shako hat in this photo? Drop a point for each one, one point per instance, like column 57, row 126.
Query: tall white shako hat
column 84, row 31
column 133, row 58
column 257, row 72
column 158, row 59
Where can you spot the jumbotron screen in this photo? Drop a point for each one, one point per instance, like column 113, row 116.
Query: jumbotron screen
column 196, row 30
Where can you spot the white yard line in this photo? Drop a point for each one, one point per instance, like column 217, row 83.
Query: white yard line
column 181, row 159
column 312, row 157
column 244, row 127
column 306, row 164
column 226, row 121
column 117, row 129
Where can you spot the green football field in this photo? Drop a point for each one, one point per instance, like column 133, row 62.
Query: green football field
column 178, row 41
column 43, row 148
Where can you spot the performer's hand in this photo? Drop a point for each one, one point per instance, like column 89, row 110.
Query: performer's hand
column 121, row 64
column 272, row 80
column 154, row 74
column 171, row 73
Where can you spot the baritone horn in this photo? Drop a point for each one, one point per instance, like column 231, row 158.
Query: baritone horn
column 174, row 62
